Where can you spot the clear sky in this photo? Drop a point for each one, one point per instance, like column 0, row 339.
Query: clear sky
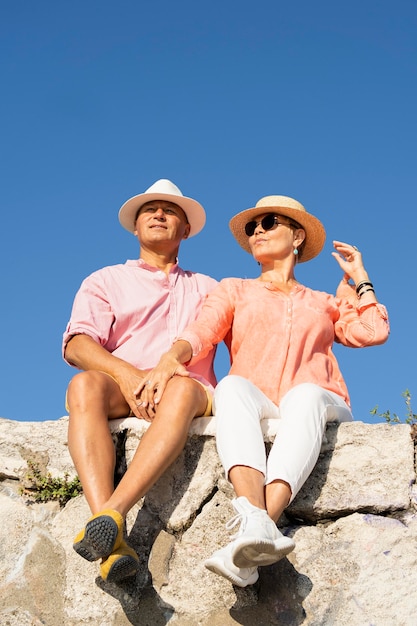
column 230, row 100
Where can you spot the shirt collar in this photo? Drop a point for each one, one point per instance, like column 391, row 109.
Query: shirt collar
column 151, row 268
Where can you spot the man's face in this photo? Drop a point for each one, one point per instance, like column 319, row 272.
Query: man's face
column 160, row 220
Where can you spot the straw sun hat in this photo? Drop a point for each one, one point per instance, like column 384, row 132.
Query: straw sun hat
column 282, row 205
column 163, row 189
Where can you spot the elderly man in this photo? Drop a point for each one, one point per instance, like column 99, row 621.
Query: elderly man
column 123, row 318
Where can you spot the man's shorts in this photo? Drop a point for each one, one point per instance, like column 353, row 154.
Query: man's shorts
column 208, row 392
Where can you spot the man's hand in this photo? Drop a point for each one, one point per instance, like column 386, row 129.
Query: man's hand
column 86, row 354
column 129, row 379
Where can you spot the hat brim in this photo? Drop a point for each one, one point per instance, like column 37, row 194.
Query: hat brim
column 195, row 213
column 314, row 229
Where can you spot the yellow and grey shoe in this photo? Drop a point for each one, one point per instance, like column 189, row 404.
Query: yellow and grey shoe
column 122, row 563
column 102, row 535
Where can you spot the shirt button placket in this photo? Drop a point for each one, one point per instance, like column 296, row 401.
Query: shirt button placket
column 172, row 316
column 289, row 316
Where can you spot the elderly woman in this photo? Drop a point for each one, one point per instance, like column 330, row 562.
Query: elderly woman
column 282, row 366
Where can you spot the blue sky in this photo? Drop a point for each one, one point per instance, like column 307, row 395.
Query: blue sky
column 230, row 100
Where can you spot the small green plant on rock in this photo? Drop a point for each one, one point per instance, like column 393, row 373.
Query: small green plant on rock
column 45, row 487
column 393, row 418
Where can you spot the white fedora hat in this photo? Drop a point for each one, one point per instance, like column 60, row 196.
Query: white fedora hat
column 163, row 189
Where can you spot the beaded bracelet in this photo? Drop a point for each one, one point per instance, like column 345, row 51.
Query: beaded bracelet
column 363, row 283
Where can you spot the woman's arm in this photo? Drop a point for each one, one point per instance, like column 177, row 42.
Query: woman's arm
column 350, row 261
column 210, row 328
column 363, row 321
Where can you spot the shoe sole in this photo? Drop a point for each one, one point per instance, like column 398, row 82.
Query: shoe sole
column 123, row 568
column 99, row 538
column 254, row 552
column 215, row 566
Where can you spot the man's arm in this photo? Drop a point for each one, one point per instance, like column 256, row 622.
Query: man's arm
column 86, row 354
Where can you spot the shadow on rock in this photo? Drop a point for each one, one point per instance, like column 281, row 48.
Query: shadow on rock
column 137, row 595
column 138, row 598
column 303, row 505
column 141, row 606
column 281, row 591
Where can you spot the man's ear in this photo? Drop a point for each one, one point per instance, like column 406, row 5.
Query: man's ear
column 187, row 231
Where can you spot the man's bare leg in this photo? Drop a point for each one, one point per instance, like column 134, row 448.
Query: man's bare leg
column 183, row 399
column 94, row 398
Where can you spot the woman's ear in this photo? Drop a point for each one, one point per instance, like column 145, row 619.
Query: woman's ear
column 299, row 236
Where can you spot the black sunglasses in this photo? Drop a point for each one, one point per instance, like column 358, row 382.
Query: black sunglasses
column 268, row 222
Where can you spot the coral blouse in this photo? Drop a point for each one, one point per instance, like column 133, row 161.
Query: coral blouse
column 280, row 340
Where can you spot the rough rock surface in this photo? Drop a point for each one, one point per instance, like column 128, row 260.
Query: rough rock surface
column 354, row 524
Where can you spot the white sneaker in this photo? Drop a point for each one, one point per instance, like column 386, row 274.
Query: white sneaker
column 258, row 541
column 221, row 563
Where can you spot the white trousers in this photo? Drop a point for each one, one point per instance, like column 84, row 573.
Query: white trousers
column 304, row 411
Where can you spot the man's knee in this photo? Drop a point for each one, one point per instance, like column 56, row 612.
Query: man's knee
column 183, row 386
column 84, row 381
column 88, row 386
column 183, row 389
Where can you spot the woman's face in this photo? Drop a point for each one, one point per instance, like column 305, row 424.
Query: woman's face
column 273, row 237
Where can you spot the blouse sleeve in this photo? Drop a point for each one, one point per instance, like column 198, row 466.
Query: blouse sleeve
column 361, row 322
column 213, row 323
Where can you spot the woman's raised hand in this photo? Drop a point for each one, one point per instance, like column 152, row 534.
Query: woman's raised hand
column 350, row 261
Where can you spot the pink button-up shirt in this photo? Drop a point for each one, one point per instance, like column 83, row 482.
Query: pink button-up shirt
column 135, row 311
column 278, row 340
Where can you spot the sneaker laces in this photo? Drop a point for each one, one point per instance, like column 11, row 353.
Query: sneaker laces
column 238, row 518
